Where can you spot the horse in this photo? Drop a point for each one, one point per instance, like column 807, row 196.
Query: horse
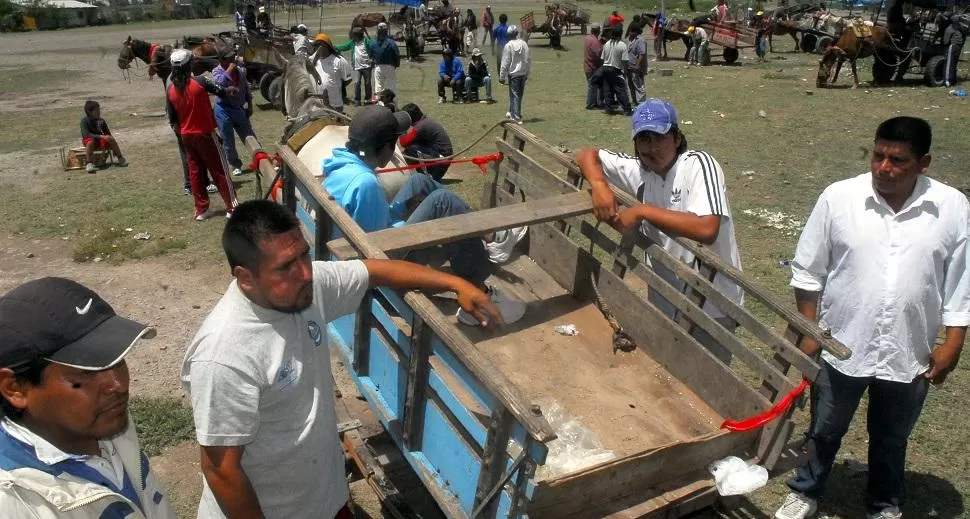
column 305, row 108
column 412, row 40
column 449, row 31
column 674, row 30
column 156, row 56
column 367, row 20
column 852, row 47
column 778, row 27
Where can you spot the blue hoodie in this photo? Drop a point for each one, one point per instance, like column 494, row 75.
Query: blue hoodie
column 355, row 187
column 456, row 70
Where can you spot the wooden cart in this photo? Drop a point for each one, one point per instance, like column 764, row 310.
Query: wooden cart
column 461, row 404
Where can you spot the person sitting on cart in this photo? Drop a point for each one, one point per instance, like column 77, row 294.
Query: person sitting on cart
column 263, row 24
column 301, row 40
column 428, row 139
column 349, row 176
column 95, row 135
column 451, row 74
column 683, row 193
column 249, row 19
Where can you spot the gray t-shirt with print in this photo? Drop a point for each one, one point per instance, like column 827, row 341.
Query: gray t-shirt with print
column 260, row 378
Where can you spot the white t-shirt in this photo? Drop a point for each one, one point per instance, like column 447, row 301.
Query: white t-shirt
column 695, row 184
column 333, row 71
column 261, row 378
column 615, row 52
column 361, row 56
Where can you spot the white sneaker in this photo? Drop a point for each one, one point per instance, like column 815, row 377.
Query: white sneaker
column 797, row 506
column 211, row 188
column 236, row 172
column 90, row 168
column 500, row 249
column 201, row 217
column 511, row 309
column 508, row 115
column 888, row 513
column 441, row 100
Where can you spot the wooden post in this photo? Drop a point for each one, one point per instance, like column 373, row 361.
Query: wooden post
column 415, row 396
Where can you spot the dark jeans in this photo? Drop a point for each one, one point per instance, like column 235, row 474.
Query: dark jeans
column 436, row 172
column 952, row 57
column 516, row 92
column 428, row 200
column 594, row 96
column 634, row 81
column 457, row 88
column 893, row 410
column 365, row 75
column 614, row 84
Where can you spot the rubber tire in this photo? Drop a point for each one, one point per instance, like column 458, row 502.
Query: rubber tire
column 730, row 55
column 264, row 83
column 807, row 42
column 823, row 43
column 276, row 92
column 934, row 73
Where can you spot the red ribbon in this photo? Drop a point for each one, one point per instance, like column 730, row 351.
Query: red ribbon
column 257, row 157
column 152, row 66
column 479, row 161
column 754, row 422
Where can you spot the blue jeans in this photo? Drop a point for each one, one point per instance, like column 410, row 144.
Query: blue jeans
column 472, row 86
column 594, row 96
column 365, row 75
column 893, row 410
column 516, row 91
column 428, row 200
column 232, row 120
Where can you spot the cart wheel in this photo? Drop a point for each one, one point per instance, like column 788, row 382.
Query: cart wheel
column 730, row 55
column 264, row 85
column 822, row 44
column 934, row 73
column 583, row 29
column 808, row 42
column 276, row 92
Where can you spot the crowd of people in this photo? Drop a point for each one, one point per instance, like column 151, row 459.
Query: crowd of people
column 264, row 419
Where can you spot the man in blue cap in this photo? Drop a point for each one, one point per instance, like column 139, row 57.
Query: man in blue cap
column 682, row 193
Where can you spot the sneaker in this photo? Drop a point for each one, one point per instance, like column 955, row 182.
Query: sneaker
column 484, row 101
column 500, row 249
column 441, row 100
column 122, row 163
column 187, row 190
column 236, row 172
column 200, row 217
column 90, row 168
column 211, row 188
column 508, row 115
column 797, row 506
column 228, row 215
column 887, row 513
column 511, row 309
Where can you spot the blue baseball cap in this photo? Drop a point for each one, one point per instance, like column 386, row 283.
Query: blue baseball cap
column 654, row 115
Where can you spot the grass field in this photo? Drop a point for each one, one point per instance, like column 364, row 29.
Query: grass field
column 776, row 163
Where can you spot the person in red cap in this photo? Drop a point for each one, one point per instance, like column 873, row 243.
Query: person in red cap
column 68, row 449
column 190, row 114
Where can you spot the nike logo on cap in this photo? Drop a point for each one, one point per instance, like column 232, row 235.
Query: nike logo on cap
column 82, row 311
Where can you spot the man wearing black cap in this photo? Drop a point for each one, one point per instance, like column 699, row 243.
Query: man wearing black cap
column 349, row 177
column 67, row 446
column 259, row 372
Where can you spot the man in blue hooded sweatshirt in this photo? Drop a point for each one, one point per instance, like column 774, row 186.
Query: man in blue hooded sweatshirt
column 350, row 177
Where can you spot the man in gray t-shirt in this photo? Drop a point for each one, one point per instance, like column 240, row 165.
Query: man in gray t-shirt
column 615, row 58
column 259, row 373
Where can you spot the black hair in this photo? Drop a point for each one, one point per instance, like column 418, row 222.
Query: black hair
column 683, row 138
column 90, row 106
column 253, row 222
column 181, row 75
column 594, row 30
column 912, row 130
column 32, row 374
column 635, row 29
column 414, row 111
column 502, row 18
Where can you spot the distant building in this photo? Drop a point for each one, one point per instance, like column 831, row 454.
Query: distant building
column 57, row 14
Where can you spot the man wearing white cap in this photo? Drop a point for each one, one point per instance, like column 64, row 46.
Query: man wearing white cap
column 682, row 193
column 387, row 58
column 301, row 40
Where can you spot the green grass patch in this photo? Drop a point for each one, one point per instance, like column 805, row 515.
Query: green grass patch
column 161, row 422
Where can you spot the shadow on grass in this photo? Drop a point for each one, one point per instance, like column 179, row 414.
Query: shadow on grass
column 927, row 495
column 161, row 422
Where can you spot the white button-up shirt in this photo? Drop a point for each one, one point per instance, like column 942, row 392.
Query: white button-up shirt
column 888, row 280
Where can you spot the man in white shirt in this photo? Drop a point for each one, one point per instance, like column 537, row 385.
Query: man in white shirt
column 514, row 70
column 68, row 449
column 882, row 263
column 683, row 194
column 259, row 372
column 334, row 72
column 616, row 58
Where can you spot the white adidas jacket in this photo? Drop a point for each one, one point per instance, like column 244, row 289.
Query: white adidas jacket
column 30, row 489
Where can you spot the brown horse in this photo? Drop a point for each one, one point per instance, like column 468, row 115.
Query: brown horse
column 367, row 20
column 780, row 28
column 449, row 32
column 156, row 56
column 673, row 31
column 851, row 47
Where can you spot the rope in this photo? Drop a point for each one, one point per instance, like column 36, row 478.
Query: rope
column 621, row 340
column 466, row 148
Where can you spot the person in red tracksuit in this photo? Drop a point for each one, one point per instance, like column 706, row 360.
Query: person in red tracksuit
column 191, row 116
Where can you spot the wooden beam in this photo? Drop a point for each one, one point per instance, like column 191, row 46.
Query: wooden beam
column 478, row 223
column 487, row 374
column 415, row 398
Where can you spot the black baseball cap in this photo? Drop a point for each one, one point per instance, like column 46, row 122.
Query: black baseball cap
column 64, row 322
column 377, row 125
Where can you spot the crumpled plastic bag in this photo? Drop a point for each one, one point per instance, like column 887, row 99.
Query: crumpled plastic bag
column 575, row 447
column 734, row 476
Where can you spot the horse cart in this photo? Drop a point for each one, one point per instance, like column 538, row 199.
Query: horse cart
column 733, row 35
column 478, row 415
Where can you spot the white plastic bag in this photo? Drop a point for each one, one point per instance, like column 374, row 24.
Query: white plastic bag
column 575, row 447
column 733, row 476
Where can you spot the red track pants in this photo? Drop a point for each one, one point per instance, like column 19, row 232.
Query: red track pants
column 202, row 153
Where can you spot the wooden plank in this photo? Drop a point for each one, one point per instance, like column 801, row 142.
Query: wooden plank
column 362, row 335
column 415, row 397
column 493, row 464
column 483, row 370
column 478, row 223
column 536, row 173
column 599, row 485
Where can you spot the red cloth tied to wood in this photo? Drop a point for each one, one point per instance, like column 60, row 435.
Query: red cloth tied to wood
column 754, row 422
column 261, row 155
column 479, row 161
